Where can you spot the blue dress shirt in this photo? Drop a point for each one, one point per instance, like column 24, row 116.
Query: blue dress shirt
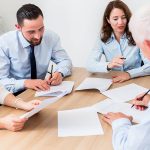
column 131, row 137
column 15, row 62
column 112, row 49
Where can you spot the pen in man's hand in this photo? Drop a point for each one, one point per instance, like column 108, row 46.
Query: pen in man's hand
column 140, row 98
column 51, row 71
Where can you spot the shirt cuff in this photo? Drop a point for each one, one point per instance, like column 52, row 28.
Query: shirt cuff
column 135, row 73
column 3, row 95
column 63, row 71
column 19, row 85
column 119, row 122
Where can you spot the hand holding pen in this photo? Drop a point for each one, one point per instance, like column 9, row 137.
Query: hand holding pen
column 116, row 62
column 141, row 101
column 55, row 77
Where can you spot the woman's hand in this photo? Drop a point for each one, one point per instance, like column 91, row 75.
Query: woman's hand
column 116, row 62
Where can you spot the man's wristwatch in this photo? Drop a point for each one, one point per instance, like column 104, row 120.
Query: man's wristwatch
column 109, row 69
column 61, row 74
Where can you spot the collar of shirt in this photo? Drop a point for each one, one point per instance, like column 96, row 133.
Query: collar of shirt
column 23, row 41
column 112, row 37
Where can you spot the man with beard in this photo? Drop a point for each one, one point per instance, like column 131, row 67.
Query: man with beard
column 26, row 52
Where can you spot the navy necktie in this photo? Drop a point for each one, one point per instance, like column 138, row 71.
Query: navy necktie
column 33, row 63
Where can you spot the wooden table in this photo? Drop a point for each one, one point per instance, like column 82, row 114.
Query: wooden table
column 41, row 132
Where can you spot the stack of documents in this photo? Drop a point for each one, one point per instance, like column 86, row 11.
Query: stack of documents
column 125, row 93
column 100, row 84
column 42, row 105
column 109, row 106
column 79, row 122
column 65, row 86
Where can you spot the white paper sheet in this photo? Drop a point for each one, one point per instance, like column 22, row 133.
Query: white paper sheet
column 95, row 83
column 57, row 90
column 79, row 122
column 43, row 104
column 108, row 105
column 125, row 93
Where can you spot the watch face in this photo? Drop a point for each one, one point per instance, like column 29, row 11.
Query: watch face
column 109, row 69
column 61, row 74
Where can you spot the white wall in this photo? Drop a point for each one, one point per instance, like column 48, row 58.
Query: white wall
column 76, row 21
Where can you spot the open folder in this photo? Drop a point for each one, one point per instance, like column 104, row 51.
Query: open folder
column 65, row 86
column 42, row 105
column 100, row 84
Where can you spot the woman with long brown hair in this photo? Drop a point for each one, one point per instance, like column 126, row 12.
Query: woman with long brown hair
column 117, row 45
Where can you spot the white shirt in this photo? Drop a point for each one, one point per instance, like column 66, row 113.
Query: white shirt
column 131, row 137
column 3, row 94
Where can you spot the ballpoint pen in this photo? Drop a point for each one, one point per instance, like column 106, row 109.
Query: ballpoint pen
column 51, row 71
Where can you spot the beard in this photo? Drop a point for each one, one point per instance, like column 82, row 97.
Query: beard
column 34, row 42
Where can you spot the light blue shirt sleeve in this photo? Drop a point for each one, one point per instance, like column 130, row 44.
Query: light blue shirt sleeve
column 130, row 137
column 11, row 84
column 60, row 57
column 141, row 71
column 94, row 63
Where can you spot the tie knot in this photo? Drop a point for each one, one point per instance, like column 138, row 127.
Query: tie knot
column 32, row 47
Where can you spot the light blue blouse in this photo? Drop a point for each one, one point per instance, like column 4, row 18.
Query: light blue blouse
column 112, row 49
